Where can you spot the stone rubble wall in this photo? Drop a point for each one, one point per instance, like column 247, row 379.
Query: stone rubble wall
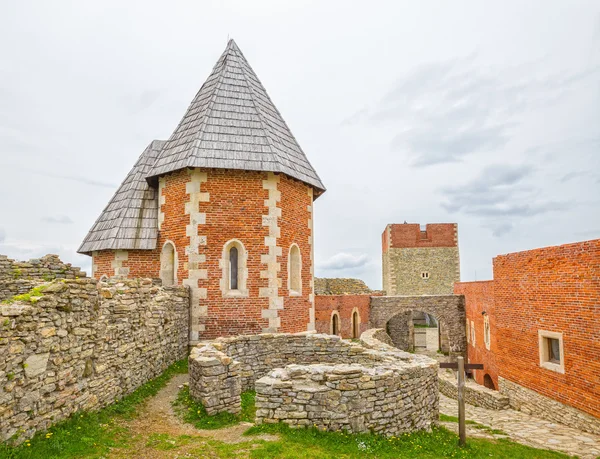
column 475, row 394
column 536, row 404
column 82, row 345
column 340, row 286
column 18, row 277
column 403, row 396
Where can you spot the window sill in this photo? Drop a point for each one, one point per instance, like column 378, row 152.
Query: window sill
column 295, row 293
column 558, row 368
column 235, row 294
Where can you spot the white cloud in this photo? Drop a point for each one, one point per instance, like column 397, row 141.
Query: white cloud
column 342, row 261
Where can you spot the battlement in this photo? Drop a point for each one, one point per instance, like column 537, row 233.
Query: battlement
column 413, row 235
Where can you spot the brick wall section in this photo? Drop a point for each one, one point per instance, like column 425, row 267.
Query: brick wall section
column 83, row 345
column 554, row 289
column 230, row 205
column 409, row 235
column 18, row 277
column 344, row 305
column 479, row 297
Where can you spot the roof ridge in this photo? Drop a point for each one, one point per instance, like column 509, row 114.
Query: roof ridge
column 211, row 101
column 278, row 159
column 260, row 118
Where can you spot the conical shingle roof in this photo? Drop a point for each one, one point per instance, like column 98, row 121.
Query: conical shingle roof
column 233, row 124
column 129, row 221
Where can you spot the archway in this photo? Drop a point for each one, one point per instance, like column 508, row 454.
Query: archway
column 488, row 382
column 418, row 331
column 335, row 324
column 449, row 311
column 355, row 325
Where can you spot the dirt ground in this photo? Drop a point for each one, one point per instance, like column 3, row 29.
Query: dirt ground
column 159, row 433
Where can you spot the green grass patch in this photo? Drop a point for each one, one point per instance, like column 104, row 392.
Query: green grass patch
column 314, row 444
column 90, row 434
column 32, row 296
column 194, row 412
column 424, row 326
column 476, row 425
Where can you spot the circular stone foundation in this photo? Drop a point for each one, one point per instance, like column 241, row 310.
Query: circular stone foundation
column 309, row 379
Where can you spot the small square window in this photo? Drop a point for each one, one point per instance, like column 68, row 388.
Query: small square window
column 551, row 351
column 425, row 275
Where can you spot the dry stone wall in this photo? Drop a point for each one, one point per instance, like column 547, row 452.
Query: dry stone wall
column 18, row 277
column 82, row 345
column 531, row 402
column 474, row 393
column 340, row 286
column 304, row 379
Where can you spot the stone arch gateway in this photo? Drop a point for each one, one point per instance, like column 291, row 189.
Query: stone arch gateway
column 448, row 309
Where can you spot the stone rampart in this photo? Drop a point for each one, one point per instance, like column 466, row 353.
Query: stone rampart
column 18, row 277
column 475, row 394
column 82, row 345
column 305, row 379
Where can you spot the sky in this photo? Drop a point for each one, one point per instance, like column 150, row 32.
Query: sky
column 482, row 113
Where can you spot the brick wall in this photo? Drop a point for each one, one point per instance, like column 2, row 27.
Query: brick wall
column 344, row 305
column 553, row 289
column 200, row 211
column 409, row 235
column 479, row 297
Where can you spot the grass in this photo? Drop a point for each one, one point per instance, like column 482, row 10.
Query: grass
column 476, row 425
column 90, row 434
column 315, row 444
column 93, row 435
column 30, row 297
column 195, row 413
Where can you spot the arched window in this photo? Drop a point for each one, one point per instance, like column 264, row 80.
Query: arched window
column 335, row 324
column 234, row 268
column 355, row 324
column 294, row 271
column 167, row 264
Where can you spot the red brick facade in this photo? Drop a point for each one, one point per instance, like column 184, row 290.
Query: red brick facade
column 235, row 207
column 409, row 235
column 344, row 306
column 479, row 300
column 554, row 289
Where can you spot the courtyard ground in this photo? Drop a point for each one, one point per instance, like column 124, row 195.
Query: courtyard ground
column 146, row 426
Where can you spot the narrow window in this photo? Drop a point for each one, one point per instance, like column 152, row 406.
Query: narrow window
column 486, row 331
column 553, row 350
column 294, row 271
column 425, row 275
column 233, row 268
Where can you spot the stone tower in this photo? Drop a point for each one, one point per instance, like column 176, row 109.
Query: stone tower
column 420, row 260
column 223, row 206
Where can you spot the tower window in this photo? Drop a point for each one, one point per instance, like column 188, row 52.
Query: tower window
column 294, row 271
column 233, row 268
column 425, row 275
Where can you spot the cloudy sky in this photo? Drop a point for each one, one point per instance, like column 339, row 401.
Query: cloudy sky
column 482, row 113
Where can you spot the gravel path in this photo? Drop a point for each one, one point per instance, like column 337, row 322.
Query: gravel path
column 526, row 429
